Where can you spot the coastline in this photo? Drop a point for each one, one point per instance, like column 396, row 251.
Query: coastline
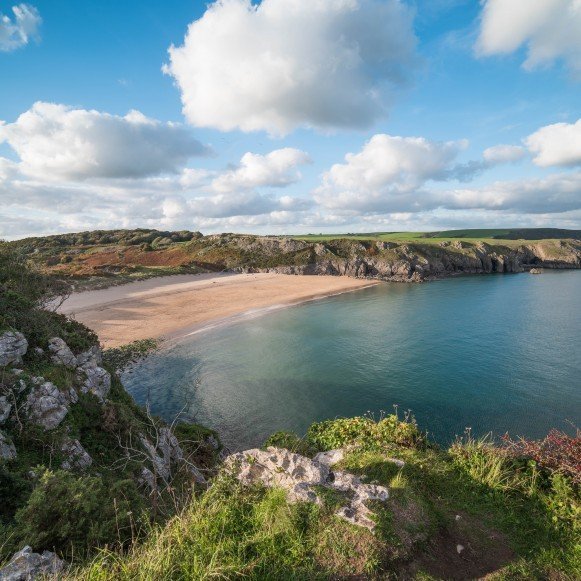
column 174, row 307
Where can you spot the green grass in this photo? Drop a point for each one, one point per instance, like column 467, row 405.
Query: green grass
column 517, row 521
column 508, row 237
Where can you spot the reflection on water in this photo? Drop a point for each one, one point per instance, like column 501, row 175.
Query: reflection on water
column 496, row 352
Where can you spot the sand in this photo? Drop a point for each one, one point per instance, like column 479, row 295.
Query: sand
column 176, row 306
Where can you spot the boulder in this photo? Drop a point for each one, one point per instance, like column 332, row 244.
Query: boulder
column 276, row 467
column 13, row 345
column 61, row 354
column 26, row 566
column 5, row 408
column 76, row 457
column 47, row 406
column 7, row 449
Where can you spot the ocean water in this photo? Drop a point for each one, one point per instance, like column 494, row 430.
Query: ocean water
column 495, row 353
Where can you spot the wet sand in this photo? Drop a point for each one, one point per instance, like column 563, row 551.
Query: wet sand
column 175, row 306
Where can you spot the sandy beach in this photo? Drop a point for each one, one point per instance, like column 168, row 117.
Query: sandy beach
column 175, row 306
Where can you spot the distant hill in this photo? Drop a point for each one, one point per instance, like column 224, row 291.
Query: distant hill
column 508, row 234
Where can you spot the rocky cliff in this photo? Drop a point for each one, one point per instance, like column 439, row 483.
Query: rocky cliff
column 113, row 260
column 415, row 262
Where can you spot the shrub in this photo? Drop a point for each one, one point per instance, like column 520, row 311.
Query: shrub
column 365, row 432
column 71, row 514
column 557, row 452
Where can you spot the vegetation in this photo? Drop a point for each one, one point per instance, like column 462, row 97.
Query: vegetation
column 515, row 518
column 74, row 512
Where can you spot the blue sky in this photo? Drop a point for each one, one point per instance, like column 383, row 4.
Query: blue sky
column 415, row 91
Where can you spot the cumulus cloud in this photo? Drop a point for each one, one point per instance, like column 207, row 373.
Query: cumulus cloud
column 503, row 154
column 398, row 175
column 385, row 172
column 555, row 193
column 276, row 169
column 548, row 28
column 282, row 64
column 556, row 145
column 57, row 141
column 17, row 31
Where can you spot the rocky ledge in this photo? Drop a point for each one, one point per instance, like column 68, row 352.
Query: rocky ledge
column 301, row 477
column 416, row 262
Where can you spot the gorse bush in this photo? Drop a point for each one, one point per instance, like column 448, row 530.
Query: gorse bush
column 365, row 432
column 71, row 513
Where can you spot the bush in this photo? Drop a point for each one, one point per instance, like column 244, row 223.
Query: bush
column 557, row 452
column 365, row 432
column 72, row 514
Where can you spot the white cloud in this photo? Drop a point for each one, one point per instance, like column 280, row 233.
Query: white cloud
column 556, row 145
column 393, row 175
column 282, row 64
column 555, row 193
column 549, row 28
column 276, row 169
column 17, row 31
column 503, row 154
column 387, row 172
column 55, row 141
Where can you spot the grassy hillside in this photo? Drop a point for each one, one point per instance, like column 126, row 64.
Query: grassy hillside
column 463, row 513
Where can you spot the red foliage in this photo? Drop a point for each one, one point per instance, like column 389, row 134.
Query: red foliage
column 557, row 452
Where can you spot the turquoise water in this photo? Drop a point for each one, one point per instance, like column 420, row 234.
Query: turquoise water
column 495, row 353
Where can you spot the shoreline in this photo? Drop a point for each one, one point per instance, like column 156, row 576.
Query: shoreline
column 175, row 307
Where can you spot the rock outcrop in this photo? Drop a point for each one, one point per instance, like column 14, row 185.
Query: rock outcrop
column 47, row 406
column 13, row 346
column 7, row 449
column 94, row 379
column 61, row 353
column 299, row 476
column 27, row 566
column 76, row 457
column 5, row 409
column 164, row 456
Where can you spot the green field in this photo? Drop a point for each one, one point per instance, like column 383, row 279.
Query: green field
column 489, row 235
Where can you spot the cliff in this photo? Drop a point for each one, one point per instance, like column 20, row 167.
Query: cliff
column 108, row 258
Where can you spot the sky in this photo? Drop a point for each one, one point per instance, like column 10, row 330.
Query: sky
column 289, row 116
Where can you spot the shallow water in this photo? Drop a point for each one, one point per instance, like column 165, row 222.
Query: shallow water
column 495, row 353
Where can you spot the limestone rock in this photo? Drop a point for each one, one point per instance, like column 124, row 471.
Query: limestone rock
column 7, row 449
column 298, row 475
column 92, row 357
column 47, row 406
column 330, row 457
column 5, row 408
column 61, row 354
column 13, row 345
column 93, row 377
column 166, row 453
column 96, row 380
column 26, row 566
column 77, row 457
